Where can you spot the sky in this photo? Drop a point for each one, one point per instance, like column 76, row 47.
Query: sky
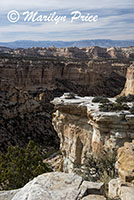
column 115, row 20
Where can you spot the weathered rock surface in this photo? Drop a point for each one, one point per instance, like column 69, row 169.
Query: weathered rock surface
column 123, row 187
column 8, row 195
column 94, row 197
column 129, row 86
column 113, row 188
column 126, row 193
column 83, row 129
column 118, row 189
column 58, row 186
column 126, row 162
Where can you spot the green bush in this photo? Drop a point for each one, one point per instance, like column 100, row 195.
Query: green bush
column 130, row 98
column 19, row 165
column 100, row 168
column 123, row 99
column 112, row 107
column 100, row 99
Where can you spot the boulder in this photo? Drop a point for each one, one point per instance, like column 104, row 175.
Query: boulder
column 126, row 162
column 58, row 186
column 113, row 188
column 126, row 193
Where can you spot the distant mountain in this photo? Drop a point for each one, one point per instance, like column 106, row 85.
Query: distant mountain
column 60, row 44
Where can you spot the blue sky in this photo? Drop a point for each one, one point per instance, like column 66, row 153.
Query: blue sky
column 116, row 20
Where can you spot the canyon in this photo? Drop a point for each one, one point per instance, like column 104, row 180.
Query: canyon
column 47, row 95
column 46, row 73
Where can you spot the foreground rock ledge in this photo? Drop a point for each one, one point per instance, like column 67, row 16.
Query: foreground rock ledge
column 83, row 129
column 57, row 186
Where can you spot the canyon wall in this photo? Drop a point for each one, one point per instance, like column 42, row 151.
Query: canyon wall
column 129, row 85
column 83, row 78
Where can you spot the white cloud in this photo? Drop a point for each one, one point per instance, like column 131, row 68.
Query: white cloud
column 108, row 27
column 68, row 4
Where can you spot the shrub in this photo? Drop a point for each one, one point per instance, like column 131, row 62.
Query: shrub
column 112, row 107
column 100, row 168
column 100, row 99
column 130, row 98
column 20, row 165
column 122, row 99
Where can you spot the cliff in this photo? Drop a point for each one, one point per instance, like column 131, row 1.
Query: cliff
column 84, row 129
column 84, row 78
column 129, row 85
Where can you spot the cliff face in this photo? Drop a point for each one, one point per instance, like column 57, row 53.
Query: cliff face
column 83, row 78
column 129, row 85
column 83, row 129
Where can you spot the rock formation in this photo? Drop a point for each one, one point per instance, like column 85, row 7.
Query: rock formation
column 129, row 86
column 57, row 186
column 87, row 71
column 93, row 52
column 123, row 186
column 83, row 128
column 126, row 162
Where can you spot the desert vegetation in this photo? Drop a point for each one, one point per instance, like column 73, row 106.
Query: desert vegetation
column 20, row 165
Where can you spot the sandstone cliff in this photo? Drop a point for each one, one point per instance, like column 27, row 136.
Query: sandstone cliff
column 83, row 78
column 83, row 128
column 129, row 85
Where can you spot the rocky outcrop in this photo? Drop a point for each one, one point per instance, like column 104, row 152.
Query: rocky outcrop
column 129, row 86
column 57, row 186
column 126, row 162
column 83, row 129
column 123, row 187
column 8, row 195
column 119, row 189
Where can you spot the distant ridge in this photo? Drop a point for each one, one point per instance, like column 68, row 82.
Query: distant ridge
column 60, row 44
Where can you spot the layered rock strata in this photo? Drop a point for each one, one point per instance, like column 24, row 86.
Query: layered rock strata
column 83, row 129
column 129, row 85
column 82, row 77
